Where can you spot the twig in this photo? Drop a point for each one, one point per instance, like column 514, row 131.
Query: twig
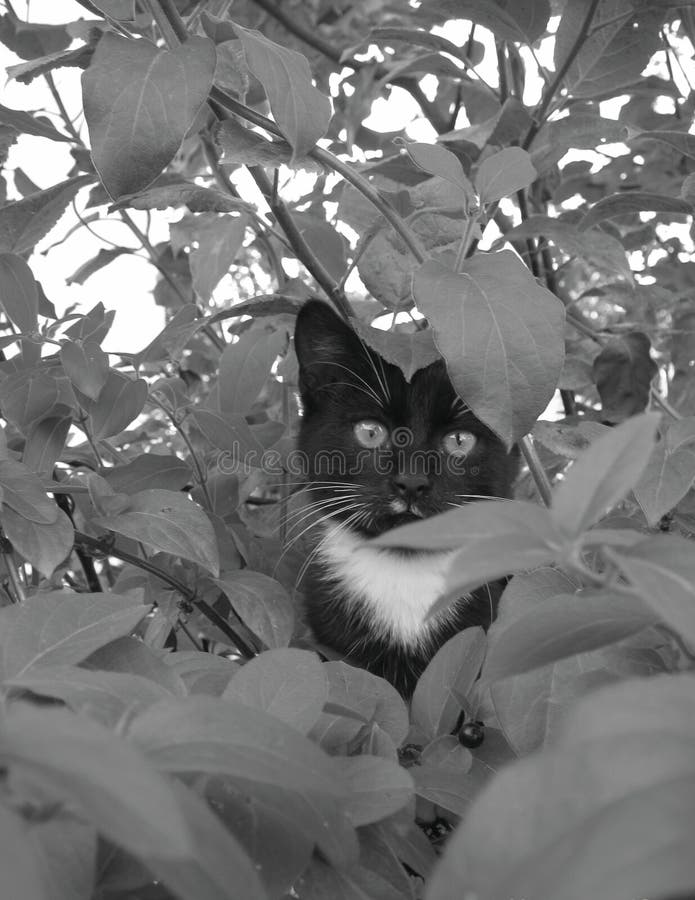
column 536, row 469
column 67, row 121
column 17, row 586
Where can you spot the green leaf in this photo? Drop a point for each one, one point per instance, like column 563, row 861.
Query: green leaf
column 681, row 141
column 19, row 294
column 21, row 874
column 25, row 123
column 45, row 443
column 443, row 786
column 580, row 130
column 662, row 570
column 120, row 401
column 245, row 368
column 31, row 395
column 168, row 521
column 503, row 174
column 83, row 763
column 130, row 656
column 86, row 365
column 173, row 194
column 438, row 161
column 66, row 851
column 262, row 604
column 507, row 19
column 603, row 474
column 446, row 681
column 378, row 788
column 219, row 240
column 139, row 102
column 105, row 256
column 410, row 352
column 148, row 471
column 171, row 341
column 24, row 223
column 59, row 627
column 241, row 146
column 561, row 626
column 504, row 357
column 43, row 546
column 301, row 111
column 670, row 472
column 285, row 682
column 632, row 202
column 23, row 492
column 623, row 372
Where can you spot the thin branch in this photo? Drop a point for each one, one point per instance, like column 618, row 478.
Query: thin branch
column 536, row 469
column 67, row 121
column 7, row 557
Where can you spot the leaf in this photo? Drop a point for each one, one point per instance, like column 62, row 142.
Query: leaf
column 232, row 434
column 581, row 130
column 30, row 395
column 603, row 474
column 86, row 365
column 169, row 195
column 139, row 102
column 443, row 786
column 504, row 357
column 149, row 471
column 410, row 352
column 18, row 859
column 18, row 292
column 262, row 604
column 623, row 372
column 631, row 202
column 438, row 161
column 447, row 679
column 86, row 764
column 378, row 788
column 219, row 241
column 285, row 682
column 670, row 472
column 662, row 570
column 167, row 521
column 23, row 492
column 301, row 111
column 104, row 257
column 130, row 656
column 66, row 850
column 503, row 173
column 171, row 341
column 45, row 443
column 681, row 141
column 245, row 368
column 42, row 546
column 507, row 19
column 24, row 223
column 585, row 809
column 120, row 401
column 26, row 123
column 561, row 626
column 59, row 628
column 241, row 146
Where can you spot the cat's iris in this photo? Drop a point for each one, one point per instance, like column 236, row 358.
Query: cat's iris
column 370, row 433
column 459, row 443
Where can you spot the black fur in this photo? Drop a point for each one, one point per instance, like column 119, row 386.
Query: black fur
column 341, row 383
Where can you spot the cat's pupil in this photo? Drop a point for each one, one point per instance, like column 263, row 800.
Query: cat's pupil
column 370, row 433
column 459, row 443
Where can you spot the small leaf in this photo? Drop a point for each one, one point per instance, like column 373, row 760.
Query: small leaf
column 168, row 521
column 262, row 604
column 503, row 173
column 443, row 786
column 45, row 443
column 629, row 202
column 66, row 851
column 285, row 682
column 301, row 111
column 670, row 472
column 504, row 357
column 173, row 194
column 507, row 19
column 58, row 627
column 149, row 471
column 120, row 401
column 105, row 256
column 437, row 160
column 25, row 123
column 245, row 367
column 139, row 102
column 86, row 365
column 171, row 341
column 448, row 678
column 42, row 546
column 603, row 474
column 18, row 292
column 23, row 492
column 410, row 352
column 378, row 788
column 88, row 765
column 24, row 223
column 623, row 372
column 219, row 240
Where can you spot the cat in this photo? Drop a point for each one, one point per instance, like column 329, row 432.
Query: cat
column 378, row 452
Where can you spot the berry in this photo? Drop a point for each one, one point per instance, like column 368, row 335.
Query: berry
column 471, row 735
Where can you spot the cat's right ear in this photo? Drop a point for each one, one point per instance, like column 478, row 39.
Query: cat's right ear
column 324, row 344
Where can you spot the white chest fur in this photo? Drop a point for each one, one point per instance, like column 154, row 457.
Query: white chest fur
column 396, row 591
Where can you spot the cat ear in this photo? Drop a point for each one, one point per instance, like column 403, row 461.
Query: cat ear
column 321, row 340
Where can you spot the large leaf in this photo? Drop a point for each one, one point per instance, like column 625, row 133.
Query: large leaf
column 59, row 627
column 24, row 223
column 508, row 19
column 147, row 471
column 263, row 605
column 139, row 102
column 23, row 492
column 603, row 474
column 81, row 762
column 66, row 851
column 301, row 111
column 21, row 873
column 623, row 372
column 168, row 521
column 19, row 294
column 43, row 546
column 45, row 443
column 446, row 681
column 670, row 472
column 245, row 367
column 286, row 682
column 121, row 399
column 378, row 788
column 580, row 130
column 500, row 334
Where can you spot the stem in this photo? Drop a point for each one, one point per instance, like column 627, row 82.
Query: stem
column 17, row 586
column 536, row 469
column 466, row 241
column 90, row 440
column 67, row 121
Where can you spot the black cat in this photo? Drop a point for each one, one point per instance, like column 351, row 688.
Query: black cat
column 379, row 452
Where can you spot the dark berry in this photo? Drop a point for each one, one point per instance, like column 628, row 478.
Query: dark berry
column 471, row 735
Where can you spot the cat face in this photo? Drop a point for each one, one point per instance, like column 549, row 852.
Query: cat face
column 381, row 451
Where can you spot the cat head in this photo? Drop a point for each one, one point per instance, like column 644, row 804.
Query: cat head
column 381, row 451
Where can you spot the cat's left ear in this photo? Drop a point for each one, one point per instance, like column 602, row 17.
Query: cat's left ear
column 323, row 341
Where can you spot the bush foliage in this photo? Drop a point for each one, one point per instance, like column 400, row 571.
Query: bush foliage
column 167, row 727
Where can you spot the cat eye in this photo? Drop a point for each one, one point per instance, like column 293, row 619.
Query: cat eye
column 370, row 433
column 459, row 443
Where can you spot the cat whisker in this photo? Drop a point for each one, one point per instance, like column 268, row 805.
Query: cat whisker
column 325, row 518
column 341, row 526
column 318, row 505
column 368, row 389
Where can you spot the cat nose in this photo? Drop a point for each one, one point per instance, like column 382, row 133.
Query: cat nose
column 411, row 485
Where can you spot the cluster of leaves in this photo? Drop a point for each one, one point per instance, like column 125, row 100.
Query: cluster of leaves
column 144, row 493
